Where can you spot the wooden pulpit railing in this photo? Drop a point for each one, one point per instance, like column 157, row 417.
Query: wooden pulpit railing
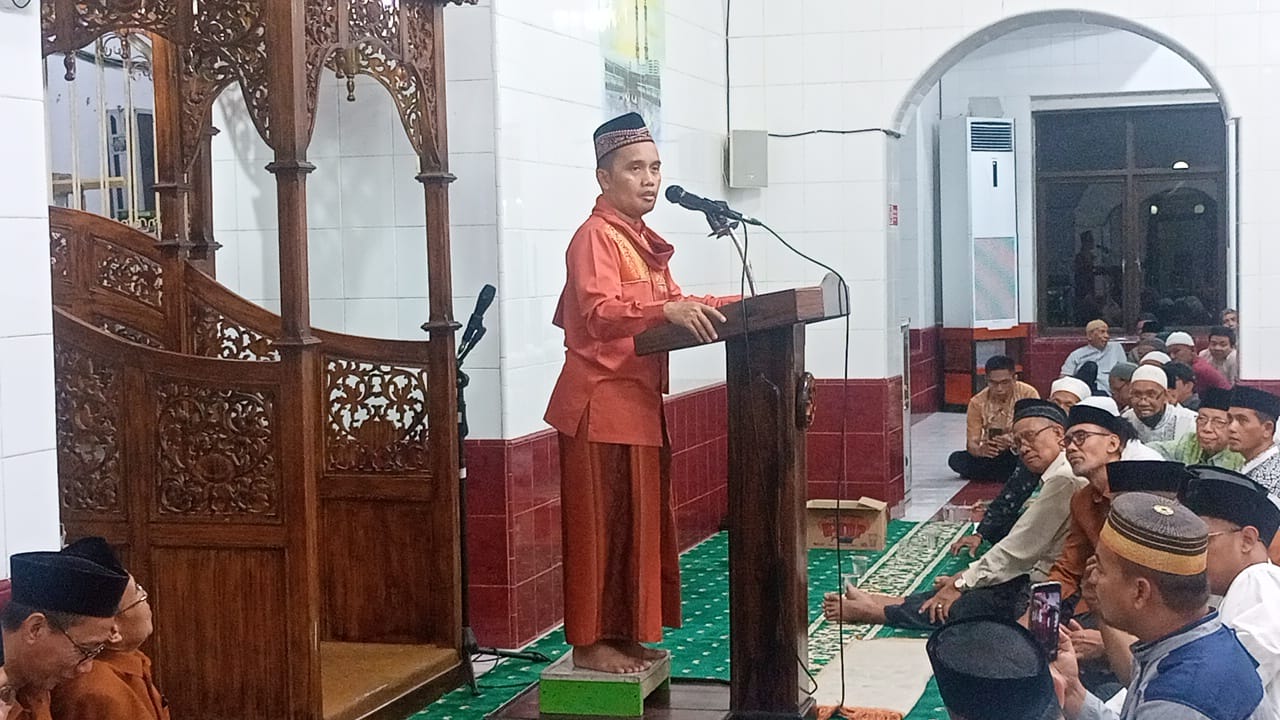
column 768, row 570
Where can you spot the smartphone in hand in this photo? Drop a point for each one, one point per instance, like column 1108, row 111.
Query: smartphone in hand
column 1046, row 616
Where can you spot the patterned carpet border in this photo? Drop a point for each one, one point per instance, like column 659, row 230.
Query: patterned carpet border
column 915, row 554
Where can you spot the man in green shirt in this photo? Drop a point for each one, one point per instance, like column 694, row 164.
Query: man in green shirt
column 1208, row 444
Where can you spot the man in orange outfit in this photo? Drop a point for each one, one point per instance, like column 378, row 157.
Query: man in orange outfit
column 621, row 573
column 120, row 685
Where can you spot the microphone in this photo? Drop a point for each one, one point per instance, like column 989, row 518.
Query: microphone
column 720, row 208
column 476, row 323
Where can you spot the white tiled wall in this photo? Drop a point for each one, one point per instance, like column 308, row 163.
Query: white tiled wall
column 889, row 52
column 366, row 212
column 1048, row 62
column 28, row 469
column 547, row 111
column 521, row 149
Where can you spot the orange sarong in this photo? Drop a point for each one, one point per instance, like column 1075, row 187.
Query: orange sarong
column 621, row 566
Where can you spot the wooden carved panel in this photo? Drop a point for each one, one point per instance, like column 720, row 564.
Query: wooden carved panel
column 215, row 335
column 131, row 334
column 59, row 260
column 377, row 417
column 130, row 274
column 216, row 452
column 87, row 397
column 228, row 44
column 71, row 24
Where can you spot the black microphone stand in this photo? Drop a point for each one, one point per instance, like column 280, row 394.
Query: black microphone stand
column 470, row 647
column 722, row 226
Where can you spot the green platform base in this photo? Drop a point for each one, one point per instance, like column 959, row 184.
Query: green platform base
column 567, row 690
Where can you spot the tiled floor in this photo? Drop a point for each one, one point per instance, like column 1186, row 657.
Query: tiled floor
column 932, row 482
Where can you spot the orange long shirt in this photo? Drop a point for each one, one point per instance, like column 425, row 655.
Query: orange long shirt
column 1089, row 510
column 616, row 284
column 118, row 687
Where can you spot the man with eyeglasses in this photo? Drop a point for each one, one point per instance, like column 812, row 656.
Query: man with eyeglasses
column 1208, row 445
column 60, row 617
column 1150, row 414
column 120, row 685
column 997, row 583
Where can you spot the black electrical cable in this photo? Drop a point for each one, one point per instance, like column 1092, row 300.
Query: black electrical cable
column 844, row 442
column 891, row 133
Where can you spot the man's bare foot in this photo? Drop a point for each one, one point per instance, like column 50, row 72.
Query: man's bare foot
column 857, row 606
column 638, row 651
column 603, row 657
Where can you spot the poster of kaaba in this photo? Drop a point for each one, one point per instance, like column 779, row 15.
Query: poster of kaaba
column 633, row 45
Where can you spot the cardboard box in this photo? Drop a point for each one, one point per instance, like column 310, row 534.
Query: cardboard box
column 863, row 524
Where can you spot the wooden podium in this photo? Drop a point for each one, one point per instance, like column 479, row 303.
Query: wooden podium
column 768, row 569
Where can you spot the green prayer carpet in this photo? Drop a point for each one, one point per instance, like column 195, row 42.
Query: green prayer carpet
column 915, row 554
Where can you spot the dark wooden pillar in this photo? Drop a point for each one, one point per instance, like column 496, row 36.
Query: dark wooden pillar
column 441, row 364
column 171, row 162
column 768, row 569
column 290, row 124
column 200, row 203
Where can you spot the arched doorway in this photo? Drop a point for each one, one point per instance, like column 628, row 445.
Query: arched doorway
column 1023, row 69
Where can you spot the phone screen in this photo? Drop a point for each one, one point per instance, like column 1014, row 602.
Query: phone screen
column 1046, row 614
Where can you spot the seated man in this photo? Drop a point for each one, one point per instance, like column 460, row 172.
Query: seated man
column 991, row 670
column 1155, row 357
column 1121, row 376
column 1145, row 346
column 1182, row 386
column 60, row 617
column 1183, row 349
column 1208, row 444
column 1221, row 353
column 1098, row 349
column 987, row 455
column 1242, row 524
column 1230, row 318
column 1150, row 582
column 1067, row 391
column 1150, row 414
column 120, row 685
column 996, row 584
column 1251, row 433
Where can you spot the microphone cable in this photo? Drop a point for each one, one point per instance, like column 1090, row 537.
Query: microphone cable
column 846, row 306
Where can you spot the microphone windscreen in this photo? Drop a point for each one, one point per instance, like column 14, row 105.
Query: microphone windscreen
column 674, row 193
column 486, row 299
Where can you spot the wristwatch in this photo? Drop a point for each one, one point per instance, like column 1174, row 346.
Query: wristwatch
column 959, row 583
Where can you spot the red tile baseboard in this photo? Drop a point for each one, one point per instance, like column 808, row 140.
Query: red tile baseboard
column 513, row 514
column 513, row 493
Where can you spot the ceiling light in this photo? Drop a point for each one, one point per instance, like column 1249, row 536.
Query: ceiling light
column 1181, row 165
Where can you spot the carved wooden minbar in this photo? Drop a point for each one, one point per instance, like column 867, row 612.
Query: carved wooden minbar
column 285, row 494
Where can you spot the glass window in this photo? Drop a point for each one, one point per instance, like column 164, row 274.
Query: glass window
column 1183, row 270
column 1081, row 248
column 1131, row 215
column 1180, row 138
column 1080, row 141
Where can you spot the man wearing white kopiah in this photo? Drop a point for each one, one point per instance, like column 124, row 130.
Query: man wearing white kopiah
column 1067, row 391
column 1150, row 413
column 1133, row 448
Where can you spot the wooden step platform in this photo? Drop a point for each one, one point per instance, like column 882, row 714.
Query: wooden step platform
column 371, row 680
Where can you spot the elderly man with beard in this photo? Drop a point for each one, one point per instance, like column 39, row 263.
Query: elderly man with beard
column 997, row 583
column 120, row 685
column 1150, row 414
column 59, row 619
column 1208, row 445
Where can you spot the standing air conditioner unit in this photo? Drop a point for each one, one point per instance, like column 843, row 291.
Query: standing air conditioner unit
column 979, row 223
